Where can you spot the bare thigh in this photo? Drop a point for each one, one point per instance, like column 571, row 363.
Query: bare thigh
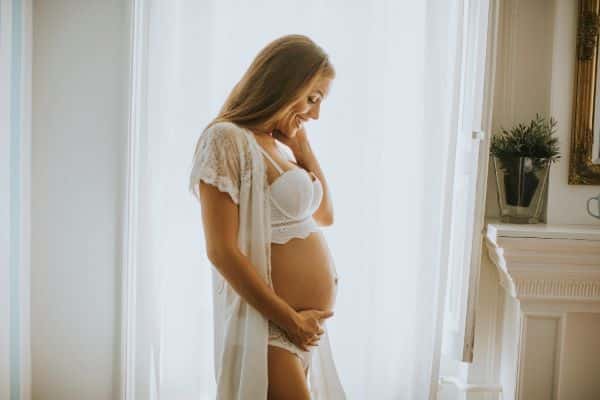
column 287, row 377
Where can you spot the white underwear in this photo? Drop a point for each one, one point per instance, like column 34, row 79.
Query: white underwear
column 278, row 338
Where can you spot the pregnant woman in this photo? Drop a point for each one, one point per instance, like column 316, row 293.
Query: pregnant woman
column 264, row 197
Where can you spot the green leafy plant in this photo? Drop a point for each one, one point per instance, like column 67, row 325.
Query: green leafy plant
column 536, row 141
column 522, row 156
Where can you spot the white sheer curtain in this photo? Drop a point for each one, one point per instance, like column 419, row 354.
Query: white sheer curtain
column 381, row 141
column 15, row 198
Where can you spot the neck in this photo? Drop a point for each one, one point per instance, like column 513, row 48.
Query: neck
column 263, row 135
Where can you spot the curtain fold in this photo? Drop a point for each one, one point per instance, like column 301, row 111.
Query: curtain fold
column 382, row 143
column 15, row 198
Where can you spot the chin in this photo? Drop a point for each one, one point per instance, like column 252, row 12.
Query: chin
column 291, row 130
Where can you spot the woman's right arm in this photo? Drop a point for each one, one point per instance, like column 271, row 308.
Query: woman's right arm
column 220, row 221
column 215, row 179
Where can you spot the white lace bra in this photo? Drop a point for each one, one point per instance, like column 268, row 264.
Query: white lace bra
column 295, row 196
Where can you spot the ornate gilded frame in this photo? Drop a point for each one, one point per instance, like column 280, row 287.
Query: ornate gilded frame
column 582, row 171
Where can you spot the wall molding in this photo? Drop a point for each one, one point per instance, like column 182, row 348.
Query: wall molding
column 465, row 387
column 560, row 263
column 556, row 348
column 561, row 289
column 489, row 83
column 15, row 202
column 136, row 79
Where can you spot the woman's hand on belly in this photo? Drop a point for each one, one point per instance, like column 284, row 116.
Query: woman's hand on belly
column 306, row 329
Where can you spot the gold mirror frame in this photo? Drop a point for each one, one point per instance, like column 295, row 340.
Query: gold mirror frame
column 582, row 170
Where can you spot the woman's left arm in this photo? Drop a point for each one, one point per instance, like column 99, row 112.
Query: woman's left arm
column 307, row 159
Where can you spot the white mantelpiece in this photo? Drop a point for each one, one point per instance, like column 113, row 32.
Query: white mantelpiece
column 551, row 312
column 547, row 262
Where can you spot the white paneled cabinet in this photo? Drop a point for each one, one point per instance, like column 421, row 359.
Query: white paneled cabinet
column 550, row 332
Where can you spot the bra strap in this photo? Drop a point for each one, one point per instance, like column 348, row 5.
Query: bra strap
column 277, row 167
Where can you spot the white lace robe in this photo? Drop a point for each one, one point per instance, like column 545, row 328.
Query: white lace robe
column 228, row 157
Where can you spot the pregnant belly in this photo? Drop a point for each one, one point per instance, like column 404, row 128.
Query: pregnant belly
column 303, row 273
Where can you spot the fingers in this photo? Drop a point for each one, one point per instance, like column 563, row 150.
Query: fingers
column 299, row 341
column 325, row 314
column 308, row 343
column 314, row 341
column 311, row 331
column 305, row 344
column 318, row 331
column 319, row 314
column 303, row 347
column 316, row 335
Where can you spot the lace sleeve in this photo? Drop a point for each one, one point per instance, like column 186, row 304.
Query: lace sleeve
column 217, row 161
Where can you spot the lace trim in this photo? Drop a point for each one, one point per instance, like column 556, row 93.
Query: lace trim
column 221, row 159
column 301, row 229
column 223, row 184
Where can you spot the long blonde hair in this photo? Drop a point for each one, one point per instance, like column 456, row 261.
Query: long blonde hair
column 281, row 73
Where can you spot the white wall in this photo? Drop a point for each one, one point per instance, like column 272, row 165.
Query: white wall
column 566, row 203
column 579, row 372
column 79, row 142
column 523, row 71
column 535, row 73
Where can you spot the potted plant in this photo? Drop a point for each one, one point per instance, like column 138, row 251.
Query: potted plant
column 522, row 157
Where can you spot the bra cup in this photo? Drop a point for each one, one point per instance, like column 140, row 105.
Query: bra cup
column 295, row 194
column 318, row 195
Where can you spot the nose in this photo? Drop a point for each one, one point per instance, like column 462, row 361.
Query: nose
column 314, row 111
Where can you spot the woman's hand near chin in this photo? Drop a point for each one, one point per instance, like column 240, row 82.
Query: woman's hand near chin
column 306, row 159
column 298, row 143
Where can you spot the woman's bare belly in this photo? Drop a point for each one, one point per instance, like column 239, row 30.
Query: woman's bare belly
column 303, row 273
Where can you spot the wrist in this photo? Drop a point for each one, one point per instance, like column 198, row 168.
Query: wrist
column 304, row 156
column 289, row 321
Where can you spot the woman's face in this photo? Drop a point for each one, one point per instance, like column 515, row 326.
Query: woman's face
column 304, row 109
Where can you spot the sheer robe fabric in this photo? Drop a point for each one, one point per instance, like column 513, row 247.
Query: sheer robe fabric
column 228, row 157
